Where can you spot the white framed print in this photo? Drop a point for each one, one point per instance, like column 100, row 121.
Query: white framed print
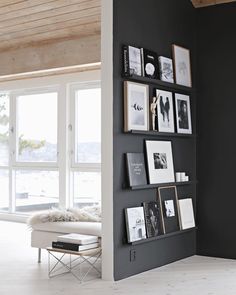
column 183, row 113
column 182, row 65
column 165, row 111
column 136, row 106
column 160, row 161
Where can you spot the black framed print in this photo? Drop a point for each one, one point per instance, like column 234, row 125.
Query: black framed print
column 136, row 106
column 168, row 200
column 183, row 113
column 153, row 219
column 160, row 161
column 182, row 65
column 165, row 111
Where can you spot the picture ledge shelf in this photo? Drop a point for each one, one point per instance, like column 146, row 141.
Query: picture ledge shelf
column 161, row 134
column 150, row 186
column 155, row 82
column 164, row 236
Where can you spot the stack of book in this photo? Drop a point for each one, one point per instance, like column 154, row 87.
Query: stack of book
column 76, row 242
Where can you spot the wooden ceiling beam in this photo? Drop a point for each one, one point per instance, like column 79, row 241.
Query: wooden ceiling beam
column 203, row 3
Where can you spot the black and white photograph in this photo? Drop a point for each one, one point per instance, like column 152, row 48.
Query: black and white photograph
column 160, row 161
column 183, row 113
column 166, row 69
column 169, row 206
column 136, row 106
column 153, row 219
column 132, row 61
column 182, row 65
column 135, row 224
column 136, row 169
column 165, row 111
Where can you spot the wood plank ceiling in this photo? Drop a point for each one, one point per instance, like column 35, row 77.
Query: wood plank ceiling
column 202, row 3
column 33, row 22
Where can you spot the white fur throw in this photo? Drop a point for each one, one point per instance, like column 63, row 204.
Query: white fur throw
column 90, row 214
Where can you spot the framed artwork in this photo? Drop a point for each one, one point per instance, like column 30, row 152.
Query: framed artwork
column 165, row 111
column 186, row 213
column 153, row 219
column 183, row 113
column 182, row 65
column 168, row 200
column 136, row 106
column 160, row 161
column 166, row 69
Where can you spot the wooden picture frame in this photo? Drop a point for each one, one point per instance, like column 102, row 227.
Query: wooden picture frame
column 169, row 206
column 136, row 106
column 182, row 65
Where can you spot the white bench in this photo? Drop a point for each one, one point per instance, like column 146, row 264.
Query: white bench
column 43, row 234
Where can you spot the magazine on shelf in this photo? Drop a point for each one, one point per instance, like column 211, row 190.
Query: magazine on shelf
column 135, row 224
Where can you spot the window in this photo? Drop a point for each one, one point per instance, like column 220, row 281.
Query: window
column 86, row 162
column 4, row 129
column 37, row 127
column 43, row 163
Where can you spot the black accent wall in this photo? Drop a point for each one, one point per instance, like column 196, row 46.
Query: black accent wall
column 155, row 25
column 216, row 128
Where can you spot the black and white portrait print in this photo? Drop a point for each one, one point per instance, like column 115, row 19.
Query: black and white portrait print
column 160, row 161
column 165, row 112
column 182, row 66
column 183, row 113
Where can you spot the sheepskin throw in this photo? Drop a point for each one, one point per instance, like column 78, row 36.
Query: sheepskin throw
column 89, row 214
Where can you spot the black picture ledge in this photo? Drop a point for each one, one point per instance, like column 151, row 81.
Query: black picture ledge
column 161, row 134
column 151, row 186
column 159, row 83
column 164, row 236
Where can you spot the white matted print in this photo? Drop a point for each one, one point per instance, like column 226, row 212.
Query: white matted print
column 165, row 111
column 182, row 65
column 160, row 161
column 136, row 106
column 183, row 113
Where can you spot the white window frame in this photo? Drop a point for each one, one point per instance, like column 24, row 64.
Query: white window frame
column 63, row 84
column 16, row 163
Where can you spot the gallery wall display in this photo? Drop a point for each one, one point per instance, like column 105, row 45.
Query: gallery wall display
column 136, row 106
column 160, row 161
column 183, row 113
column 136, row 169
column 169, row 208
column 182, row 65
column 165, row 111
column 135, row 224
column 146, row 63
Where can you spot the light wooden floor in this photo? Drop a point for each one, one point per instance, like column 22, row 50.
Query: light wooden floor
column 21, row 275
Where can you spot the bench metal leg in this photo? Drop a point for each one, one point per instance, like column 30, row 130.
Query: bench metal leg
column 39, row 255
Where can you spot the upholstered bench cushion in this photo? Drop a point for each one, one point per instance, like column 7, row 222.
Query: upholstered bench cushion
column 89, row 228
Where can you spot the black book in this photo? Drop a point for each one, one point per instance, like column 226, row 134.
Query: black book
column 136, row 169
column 149, row 63
column 152, row 214
column 73, row 247
column 132, row 61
